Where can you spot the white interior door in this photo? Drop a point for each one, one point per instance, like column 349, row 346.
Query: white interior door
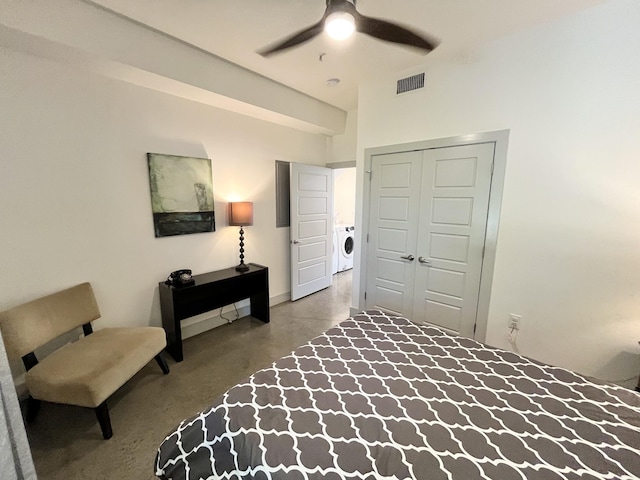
column 456, row 183
column 311, row 229
column 395, row 203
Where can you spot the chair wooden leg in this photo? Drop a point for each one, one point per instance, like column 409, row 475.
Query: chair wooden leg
column 163, row 364
column 33, row 407
column 102, row 412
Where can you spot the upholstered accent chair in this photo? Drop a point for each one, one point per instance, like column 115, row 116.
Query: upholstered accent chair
column 85, row 372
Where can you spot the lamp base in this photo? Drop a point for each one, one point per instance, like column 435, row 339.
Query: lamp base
column 242, row 268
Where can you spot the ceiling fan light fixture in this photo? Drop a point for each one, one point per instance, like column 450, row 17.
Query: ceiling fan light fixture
column 341, row 19
column 340, row 25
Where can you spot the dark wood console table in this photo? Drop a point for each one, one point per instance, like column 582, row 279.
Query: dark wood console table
column 210, row 291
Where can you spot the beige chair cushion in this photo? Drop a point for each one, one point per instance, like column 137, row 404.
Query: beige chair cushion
column 88, row 371
column 31, row 325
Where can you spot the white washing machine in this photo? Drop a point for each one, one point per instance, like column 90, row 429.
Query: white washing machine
column 336, row 253
column 345, row 247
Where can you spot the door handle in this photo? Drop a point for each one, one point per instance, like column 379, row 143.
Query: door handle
column 408, row 257
column 423, row 260
column 295, row 242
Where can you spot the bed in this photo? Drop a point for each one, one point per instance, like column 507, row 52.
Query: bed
column 380, row 397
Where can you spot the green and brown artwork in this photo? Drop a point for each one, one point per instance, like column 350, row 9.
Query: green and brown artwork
column 181, row 194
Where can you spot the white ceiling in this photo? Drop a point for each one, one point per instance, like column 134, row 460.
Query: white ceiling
column 235, row 29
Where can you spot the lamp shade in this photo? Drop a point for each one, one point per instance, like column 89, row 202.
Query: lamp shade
column 240, row 214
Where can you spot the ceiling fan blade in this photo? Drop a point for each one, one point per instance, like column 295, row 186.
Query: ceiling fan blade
column 390, row 32
column 295, row 39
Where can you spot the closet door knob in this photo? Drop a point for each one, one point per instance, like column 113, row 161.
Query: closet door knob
column 423, row 260
column 408, row 257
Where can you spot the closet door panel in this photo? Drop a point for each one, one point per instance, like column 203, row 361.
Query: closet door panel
column 393, row 226
column 454, row 204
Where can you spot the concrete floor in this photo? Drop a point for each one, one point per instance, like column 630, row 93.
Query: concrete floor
column 66, row 441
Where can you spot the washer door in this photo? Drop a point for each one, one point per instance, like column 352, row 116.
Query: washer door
column 347, row 246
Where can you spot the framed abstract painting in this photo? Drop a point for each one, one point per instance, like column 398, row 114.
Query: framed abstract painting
column 181, row 194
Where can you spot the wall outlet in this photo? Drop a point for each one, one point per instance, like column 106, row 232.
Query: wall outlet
column 514, row 321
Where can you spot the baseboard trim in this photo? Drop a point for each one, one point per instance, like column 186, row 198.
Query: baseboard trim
column 198, row 324
column 201, row 323
column 285, row 297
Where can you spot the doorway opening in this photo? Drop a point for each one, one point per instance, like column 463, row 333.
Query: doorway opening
column 344, row 236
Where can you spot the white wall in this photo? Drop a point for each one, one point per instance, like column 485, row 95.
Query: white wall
column 568, row 254
column 74, row 187
column 344, row 196
column 343, row 146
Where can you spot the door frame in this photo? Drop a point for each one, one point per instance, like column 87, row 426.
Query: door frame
column 500, row 139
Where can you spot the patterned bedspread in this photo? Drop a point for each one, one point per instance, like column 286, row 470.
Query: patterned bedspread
column 379, row 397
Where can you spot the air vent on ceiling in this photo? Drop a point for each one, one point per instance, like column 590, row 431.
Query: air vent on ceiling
column 410, row 83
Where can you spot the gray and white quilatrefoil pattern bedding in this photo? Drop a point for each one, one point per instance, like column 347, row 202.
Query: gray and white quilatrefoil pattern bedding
column 379, row 397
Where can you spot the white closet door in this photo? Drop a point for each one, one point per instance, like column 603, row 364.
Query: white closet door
column 393, row 227
column 456, row 183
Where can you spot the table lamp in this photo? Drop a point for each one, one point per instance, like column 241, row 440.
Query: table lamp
column 241, row 215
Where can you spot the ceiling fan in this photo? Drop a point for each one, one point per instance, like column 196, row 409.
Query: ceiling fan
column 341, row 18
